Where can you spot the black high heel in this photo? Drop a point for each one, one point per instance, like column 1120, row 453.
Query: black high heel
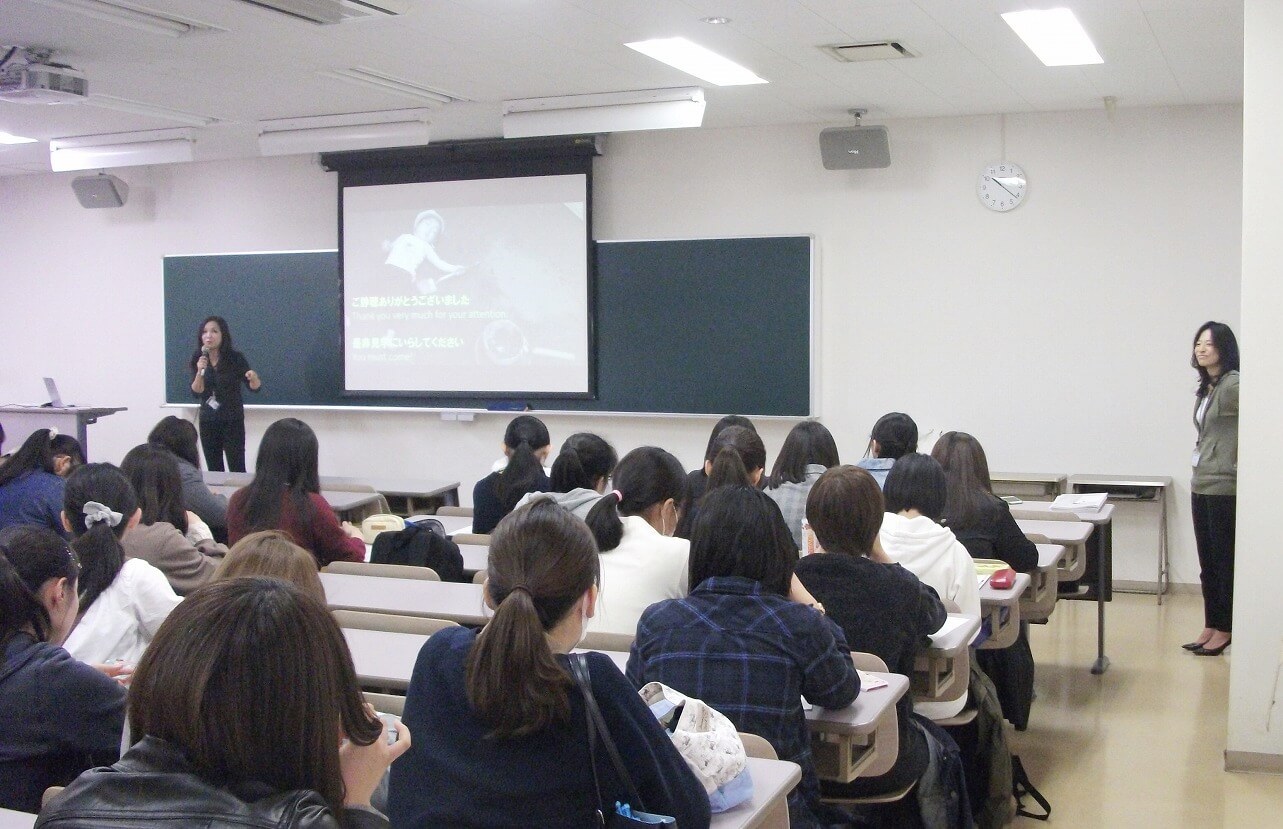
column 1193, row 646
column 1201, row 651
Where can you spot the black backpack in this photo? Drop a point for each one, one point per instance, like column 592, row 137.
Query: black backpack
column 421, row 544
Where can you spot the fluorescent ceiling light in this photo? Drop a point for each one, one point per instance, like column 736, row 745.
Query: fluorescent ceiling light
column 129, row 14
column 191, row 119
column 10, row 138
column 387, row 83
column 693, row 59
column 1055, row 36
column 336, row 133
column 648, row 109
column 126, row 149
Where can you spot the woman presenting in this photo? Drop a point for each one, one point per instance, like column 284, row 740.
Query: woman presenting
column 218, row 370
column 1214, row 485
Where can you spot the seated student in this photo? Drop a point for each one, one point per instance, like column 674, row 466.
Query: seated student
column 499, row 725
column 912, row 535
column 270, row 553
column 162, row 536
column 894, row 436
column 223, row 741
column 808, row 450
column 882, row 608
column 697, row 479
column 67, row 454
column 981, row 520
column 746, row 447
column 60, row 716
column 122, row 601
column 742, row 642
column 579, row 474
column 30, row 488
column 178, row 437
column 525, row 443
column 640, row 563
column 285, row 494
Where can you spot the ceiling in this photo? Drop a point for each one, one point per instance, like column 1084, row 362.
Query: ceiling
column 256, row 64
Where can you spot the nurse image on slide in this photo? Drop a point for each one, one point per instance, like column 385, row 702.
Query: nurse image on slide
column 408, row 252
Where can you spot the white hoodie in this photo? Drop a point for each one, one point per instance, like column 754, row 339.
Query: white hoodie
column 937, row 558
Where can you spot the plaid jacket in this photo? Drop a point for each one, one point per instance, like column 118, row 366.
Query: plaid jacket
column 751, row 655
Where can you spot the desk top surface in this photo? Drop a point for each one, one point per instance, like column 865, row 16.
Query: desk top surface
column 475, row 556
column 460, row 603
column 1029, row 477
column 1056, row 532
column 1122, row 480
column 415, row 487
column 9, row 819
column 1100, row 516
column 959, row 630
column 772, row 781
column 990, row 595
column 1049, row 555
column 339, row 500
column 863, row 715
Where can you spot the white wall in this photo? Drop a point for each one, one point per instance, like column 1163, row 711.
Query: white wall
column 1059, row 333
column 1256, row 690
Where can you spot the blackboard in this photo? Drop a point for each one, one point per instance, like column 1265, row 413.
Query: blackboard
column 699, row 326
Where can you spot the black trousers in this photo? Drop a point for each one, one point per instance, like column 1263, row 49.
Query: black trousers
column 218, row 436
column 1214, row 534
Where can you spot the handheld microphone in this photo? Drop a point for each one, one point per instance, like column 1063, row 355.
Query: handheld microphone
column 204, row 352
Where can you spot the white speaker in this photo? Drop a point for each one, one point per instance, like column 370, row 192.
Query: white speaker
column 101, row 190
column 854, row 148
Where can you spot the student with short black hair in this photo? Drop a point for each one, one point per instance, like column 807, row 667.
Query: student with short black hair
column 61, row 715
column 178, row 437
column 808, row 450
column 30, row 488
column 640, row 562
column 525, row 445
column 579, row 474
column 499, row 724
column 894, row 435
column 247, row 712
column 746, row 640
column 122, row 600
column 737, row 456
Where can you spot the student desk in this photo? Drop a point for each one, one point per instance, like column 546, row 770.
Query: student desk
column 1135, row 488
column 406, row 496
column 475, row 556
column 1037, row 604
column 772, row 781
column 384, row 658
column 1002, row 632
column 1032, row 484
column 936, row 670
column 406, row 597
column 343, row 503
column 844, row 741
column 10, row 819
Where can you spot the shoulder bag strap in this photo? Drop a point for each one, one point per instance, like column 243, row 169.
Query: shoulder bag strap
column 579, row 667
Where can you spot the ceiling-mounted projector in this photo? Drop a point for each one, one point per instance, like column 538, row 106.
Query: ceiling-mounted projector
column 42, row 83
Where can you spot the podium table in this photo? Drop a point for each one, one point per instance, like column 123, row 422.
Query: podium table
column 20, row 421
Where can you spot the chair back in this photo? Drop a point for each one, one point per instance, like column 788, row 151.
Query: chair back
column 386, row 703
column 888, row 733
column 471, row 538
column 603, row 641
column 391, row 571
column 462, row 512
column 755, row 746
column 390, row 622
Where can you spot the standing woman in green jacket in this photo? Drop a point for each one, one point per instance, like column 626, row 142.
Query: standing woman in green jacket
column 1214, row 485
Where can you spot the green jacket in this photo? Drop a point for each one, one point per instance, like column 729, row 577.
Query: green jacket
column 1216, row 472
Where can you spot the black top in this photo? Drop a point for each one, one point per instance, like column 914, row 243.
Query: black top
column 997, row 535
column 487, row 511
column 223, row 382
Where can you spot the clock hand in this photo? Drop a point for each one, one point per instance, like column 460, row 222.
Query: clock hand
column 1003, row 186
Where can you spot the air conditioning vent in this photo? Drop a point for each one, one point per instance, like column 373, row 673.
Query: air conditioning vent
column 329, row 12
column 858, row 52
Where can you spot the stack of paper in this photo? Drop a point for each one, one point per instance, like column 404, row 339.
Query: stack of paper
column 1079, row 502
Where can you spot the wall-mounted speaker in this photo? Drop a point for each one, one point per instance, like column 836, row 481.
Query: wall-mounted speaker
column 854, row 148
column 101, row 190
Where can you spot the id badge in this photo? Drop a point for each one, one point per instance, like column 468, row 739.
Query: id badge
column 212, row 403
column 1194, row 459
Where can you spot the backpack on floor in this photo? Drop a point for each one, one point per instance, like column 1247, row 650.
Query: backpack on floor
column 421, row 544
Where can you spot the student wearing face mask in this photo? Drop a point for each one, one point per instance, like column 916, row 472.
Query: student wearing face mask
column 640, row 562
column 500, row 732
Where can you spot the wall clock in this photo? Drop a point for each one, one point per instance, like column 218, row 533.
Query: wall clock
column 1001, row 186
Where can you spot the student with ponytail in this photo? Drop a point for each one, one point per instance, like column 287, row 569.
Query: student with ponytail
column 122, row 601
column 894, row 436
column 579, row 474
column 640, row 563
column 30, row 486
column 697, row 479
column 736, row 457
column 525, row 445
column 61, row 715
column 499, row 724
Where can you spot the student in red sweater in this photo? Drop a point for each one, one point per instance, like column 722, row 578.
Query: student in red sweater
column 286, row 495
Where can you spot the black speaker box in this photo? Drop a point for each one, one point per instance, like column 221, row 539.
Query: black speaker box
column 854, row 148
column 101, row 190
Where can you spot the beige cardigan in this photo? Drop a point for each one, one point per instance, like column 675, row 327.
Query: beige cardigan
column 187, row 566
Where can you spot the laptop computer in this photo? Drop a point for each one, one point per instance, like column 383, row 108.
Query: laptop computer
column 55, row 399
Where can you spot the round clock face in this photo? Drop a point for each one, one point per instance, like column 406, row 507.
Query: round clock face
column 1001, row 186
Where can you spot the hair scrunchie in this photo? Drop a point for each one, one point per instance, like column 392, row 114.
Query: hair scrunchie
column 96, row 513
column 619, row 496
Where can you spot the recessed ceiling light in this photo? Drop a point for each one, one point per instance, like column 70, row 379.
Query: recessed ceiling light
column 1055, row 36
column 10, row 138
column 693, row 59
column 715, row 21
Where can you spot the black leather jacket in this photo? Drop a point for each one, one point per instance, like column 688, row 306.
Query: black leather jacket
column 153, row 787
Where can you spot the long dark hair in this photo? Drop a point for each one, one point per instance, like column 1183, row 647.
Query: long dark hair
column 845, row 509
column 98, row 544
column 808, row 442
column 226, row 349
column 722, row 425
column 153, row 472
column 252, row 679
column 29, row 557
column 1226, row 345
column 177, row 436
column 917, row 482
column 525, row 435
column 645, row 477
column 584, row 460
column 896, row 435
column 740, row 532
column 36, row 453
column 970, row 491
column 286, row 466
column 68, row 446
column 542, row 561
